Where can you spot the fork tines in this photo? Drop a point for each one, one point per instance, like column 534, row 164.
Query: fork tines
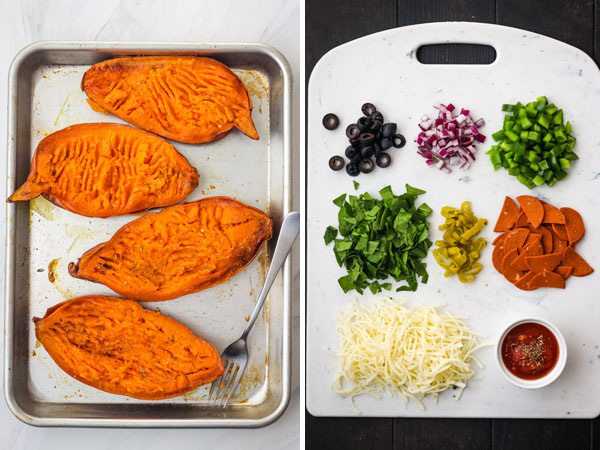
column 223, row 387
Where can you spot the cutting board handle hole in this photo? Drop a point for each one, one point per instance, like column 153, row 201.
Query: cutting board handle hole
column 456, row 54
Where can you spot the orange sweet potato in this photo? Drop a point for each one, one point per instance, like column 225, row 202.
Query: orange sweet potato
column 179, row 250
column 119, row 347
column 573, row 225
column 507, row 216
column 533, row 208
column 184, row 98
column 105, row 169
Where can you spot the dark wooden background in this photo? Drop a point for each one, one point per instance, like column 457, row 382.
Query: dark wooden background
column 331, row 23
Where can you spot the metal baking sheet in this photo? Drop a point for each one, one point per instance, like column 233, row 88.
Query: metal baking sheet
column 45, row 96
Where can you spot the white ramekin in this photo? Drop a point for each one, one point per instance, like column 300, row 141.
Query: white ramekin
column 549, row 377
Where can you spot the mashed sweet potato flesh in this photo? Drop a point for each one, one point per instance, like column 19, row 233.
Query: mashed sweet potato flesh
column 119, row 347
column 107, row 169
column 185, row 98
column 180, row 250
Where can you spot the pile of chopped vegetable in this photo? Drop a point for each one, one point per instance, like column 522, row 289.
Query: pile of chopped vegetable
column 381, row 239
column 534, row 145
column 369, row 138
column 459, row 252
column 537, row 245
column 449, row 140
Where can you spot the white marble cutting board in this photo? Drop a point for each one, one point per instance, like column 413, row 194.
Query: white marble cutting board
column 383, row 69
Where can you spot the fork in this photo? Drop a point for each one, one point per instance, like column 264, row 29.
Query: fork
column 235, row 357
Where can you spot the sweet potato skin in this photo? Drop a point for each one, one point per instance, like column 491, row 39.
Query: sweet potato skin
column 180, row 250
column 185, row 98
column 107, row 169
column 119, row 347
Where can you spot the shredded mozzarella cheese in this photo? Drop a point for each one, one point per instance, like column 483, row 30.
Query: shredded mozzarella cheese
column 412, row 352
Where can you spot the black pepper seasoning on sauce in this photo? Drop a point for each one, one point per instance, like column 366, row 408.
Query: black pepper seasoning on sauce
column 530, row 351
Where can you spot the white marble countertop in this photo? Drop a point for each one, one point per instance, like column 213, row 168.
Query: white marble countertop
column 273, row 22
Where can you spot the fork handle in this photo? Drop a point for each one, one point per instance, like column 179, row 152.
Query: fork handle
column 290, row 228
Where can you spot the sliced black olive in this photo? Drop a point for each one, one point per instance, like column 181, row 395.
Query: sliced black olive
column 399, row 141
column 377, row 116
column 363, row 124
column 352, row 169
column 389, row 129
column 352, row 131
column 375, row 127
column 331, row 121
column 386, row 143
column 351, row 151
column 367, row 151
column 356, row 158
column 355, row 142
column 366, row 165
column 383, row 160
column 368, row 109
column 377, row 148
column 336, row 163
column 366, row 139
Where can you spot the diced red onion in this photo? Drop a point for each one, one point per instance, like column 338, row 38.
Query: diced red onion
column 425, row 125
column 450, row 139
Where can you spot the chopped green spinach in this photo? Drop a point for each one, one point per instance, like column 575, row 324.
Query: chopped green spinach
column 381, row 239
column 330, row 234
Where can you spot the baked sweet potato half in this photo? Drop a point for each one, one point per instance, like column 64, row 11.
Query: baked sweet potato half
column 119, row 347
column 182, row 249
column 184, row 98
column 107, row 169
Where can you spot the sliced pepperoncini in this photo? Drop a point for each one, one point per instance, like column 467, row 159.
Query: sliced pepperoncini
column 458, row 253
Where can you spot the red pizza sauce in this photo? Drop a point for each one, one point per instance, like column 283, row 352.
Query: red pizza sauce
column 530, row 351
